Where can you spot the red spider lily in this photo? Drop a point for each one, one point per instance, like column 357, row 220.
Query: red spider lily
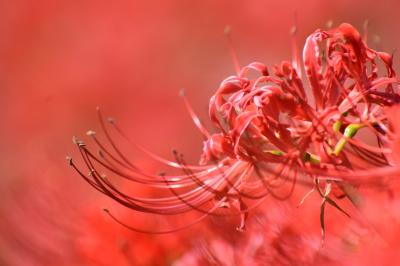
column 270, row 135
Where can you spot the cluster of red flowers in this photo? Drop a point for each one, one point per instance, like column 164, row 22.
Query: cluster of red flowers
column 274, row 133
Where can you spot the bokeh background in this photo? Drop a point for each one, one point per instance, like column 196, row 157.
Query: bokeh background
column 61, row 59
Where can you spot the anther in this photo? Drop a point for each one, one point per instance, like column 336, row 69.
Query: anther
column 78, row 142
column 111, row 120
column 227, row 29
column 69, row 159
column 293, row 30
column 90, row 133
column 329, row 23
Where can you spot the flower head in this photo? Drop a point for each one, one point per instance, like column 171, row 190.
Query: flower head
column 270, row 134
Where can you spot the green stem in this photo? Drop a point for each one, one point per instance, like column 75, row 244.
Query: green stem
column 350, row 131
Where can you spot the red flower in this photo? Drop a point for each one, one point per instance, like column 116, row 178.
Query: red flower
column 270, row 134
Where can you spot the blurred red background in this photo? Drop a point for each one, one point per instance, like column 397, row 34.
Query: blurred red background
column 61, row 59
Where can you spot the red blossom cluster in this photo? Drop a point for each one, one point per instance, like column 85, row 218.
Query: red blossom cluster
column 327, row 129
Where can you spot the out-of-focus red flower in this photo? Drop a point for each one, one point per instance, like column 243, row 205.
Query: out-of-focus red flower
column 278, row 234
column 105, row 242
